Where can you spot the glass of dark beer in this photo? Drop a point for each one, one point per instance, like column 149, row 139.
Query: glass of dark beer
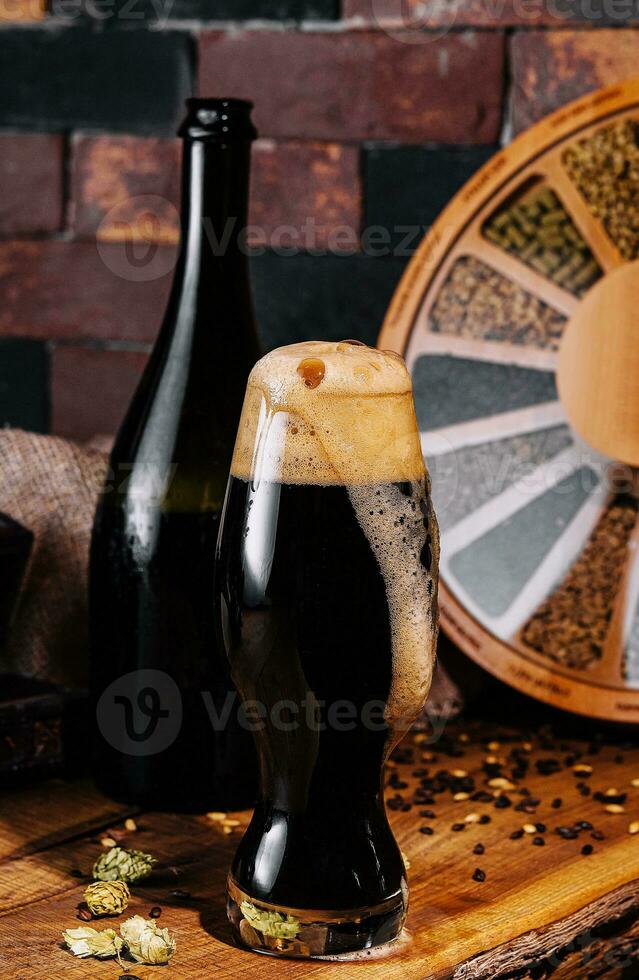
column 326, row 593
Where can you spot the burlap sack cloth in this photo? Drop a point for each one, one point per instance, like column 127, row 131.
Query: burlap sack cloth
column 51, row 487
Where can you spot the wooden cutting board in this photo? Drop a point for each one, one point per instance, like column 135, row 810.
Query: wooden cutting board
column 540, row 906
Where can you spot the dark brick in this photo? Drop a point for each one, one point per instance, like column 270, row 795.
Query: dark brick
column 151, row 13
column 31, row 179
column 409, row 186
column 72, row 77
column 361, row 84
column 117, row 182
column 91, row 390
column 418, row 17
column 550, row 69
column 72, row 290
column 24, row 385
column 307, row 297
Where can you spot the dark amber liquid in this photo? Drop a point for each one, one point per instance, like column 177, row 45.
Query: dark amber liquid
column 306, row 620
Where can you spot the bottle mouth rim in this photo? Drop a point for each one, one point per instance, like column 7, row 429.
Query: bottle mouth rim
column 215, row 104
column 218, row 119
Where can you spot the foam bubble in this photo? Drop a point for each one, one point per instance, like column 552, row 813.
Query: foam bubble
column 356, row 425
column 343, row 414
column 402, row 531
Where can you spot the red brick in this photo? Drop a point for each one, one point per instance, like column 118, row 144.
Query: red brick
column 313, row 188
column 118, row 181
column 31, row 180
column 361, row 84
column 550, row 69
column 91, row 390
column 125, row 188
column 73, row 290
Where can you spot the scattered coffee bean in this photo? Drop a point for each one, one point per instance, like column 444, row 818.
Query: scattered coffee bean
column 614, row 796
column 556, row 803
column 541, row 827
column 584, row 825
column 458, row 826
column 428, row 831
column 538, row 841
column 567, row 833
column 516, row 834
column 482, row 797
column 479, row 875
column 502, row 802
column 155, row 912
column 84, row 914
column 428, row 814
column 484, row 819
column 587, row 849
column 478, row 849
column 598, row 835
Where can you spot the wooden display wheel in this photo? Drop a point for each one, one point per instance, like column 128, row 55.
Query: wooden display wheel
column 519, row 321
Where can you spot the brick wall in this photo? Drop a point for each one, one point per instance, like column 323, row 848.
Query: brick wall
column 372, row 113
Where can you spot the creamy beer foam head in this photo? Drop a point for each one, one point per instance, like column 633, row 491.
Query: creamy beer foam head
column 328, row 413
column 342, row 414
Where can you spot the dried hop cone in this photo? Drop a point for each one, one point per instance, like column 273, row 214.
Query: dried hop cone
column 85, row 942
column 146, row 942
column 119, row 864
column 107, row 897
column 271, row 923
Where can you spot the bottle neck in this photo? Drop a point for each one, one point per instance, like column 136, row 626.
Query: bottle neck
column 215, row 184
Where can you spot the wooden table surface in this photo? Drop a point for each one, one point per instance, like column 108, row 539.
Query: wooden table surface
column 543, row 910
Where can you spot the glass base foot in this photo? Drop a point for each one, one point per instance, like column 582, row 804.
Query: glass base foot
column 310, row 933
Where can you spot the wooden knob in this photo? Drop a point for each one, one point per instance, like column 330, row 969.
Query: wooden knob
column 598, row 373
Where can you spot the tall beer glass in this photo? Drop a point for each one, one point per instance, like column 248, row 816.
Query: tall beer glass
column 326, row 588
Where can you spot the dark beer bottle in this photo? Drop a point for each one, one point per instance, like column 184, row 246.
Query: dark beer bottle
column 167, row 732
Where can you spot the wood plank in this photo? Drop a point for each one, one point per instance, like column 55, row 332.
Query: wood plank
column 176, row 842
column 45, row 814
column 537, row 902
